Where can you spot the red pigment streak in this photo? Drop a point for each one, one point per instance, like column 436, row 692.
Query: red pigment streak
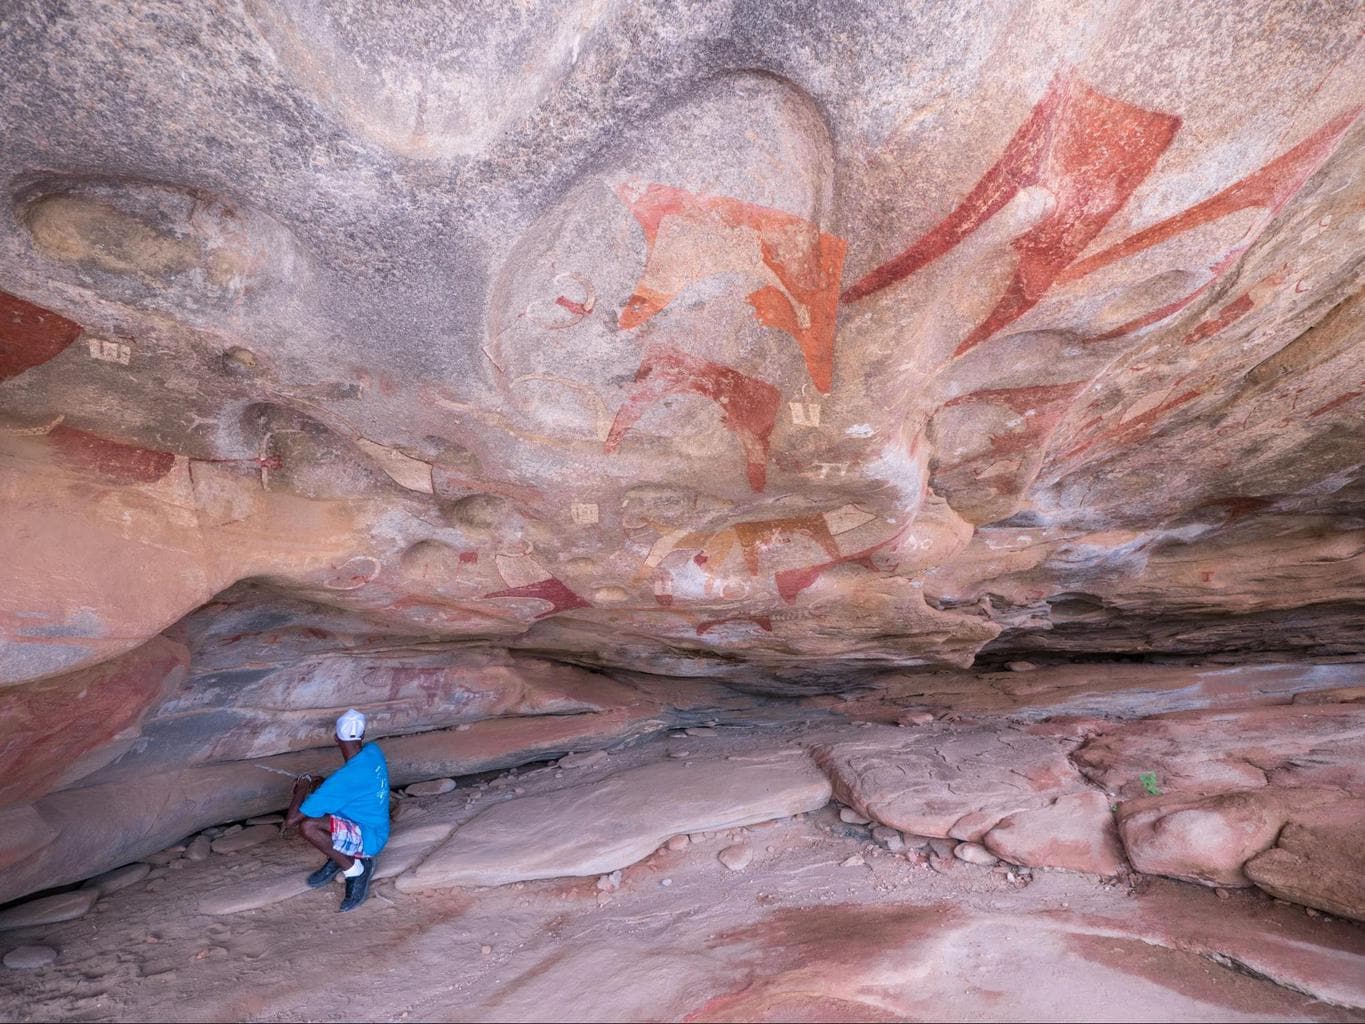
column 763, row 622
column 1233, row 311
column 30, row 335
column 1237, row 507
column 1175, row 306
column 1021, row 400
column 1340, row 400
column 1088, row 150
column 560, row 597
column 110, row 461
column 748, row 406
column 790, row 582
column 576, row 308
column 469, row 557
column 666, row 600
column 1137, row 427
column 1270, row 187
column 806, row 261
column 1049, row 401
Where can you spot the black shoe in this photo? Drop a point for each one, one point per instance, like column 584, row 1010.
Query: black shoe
column 358, row 888
column 323, row 875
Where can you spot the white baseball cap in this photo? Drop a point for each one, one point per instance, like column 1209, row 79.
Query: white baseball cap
column 351, row 725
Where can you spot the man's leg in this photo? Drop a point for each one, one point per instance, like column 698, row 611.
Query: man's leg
column 318, row 831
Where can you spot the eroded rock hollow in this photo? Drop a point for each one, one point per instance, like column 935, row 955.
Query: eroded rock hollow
column 963, row 403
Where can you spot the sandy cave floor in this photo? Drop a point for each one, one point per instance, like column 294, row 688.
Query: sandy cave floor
column 795, row 936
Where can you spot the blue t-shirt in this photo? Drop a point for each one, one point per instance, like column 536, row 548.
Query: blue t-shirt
column 359, row 790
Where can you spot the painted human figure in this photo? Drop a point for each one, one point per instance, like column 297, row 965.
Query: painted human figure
column 347, row 816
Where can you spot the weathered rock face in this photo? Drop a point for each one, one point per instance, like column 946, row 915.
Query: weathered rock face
column 377, row 353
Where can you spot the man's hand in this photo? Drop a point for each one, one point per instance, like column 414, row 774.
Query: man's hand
column 303, row 785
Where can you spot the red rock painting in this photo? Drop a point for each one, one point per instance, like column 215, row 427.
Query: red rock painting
column 790, row 582
column 50, row 725
column 1048, row 404
column 551, row 590
column 109, row 461
column 30, row 335
column 1136, row 428
column 802, row 263
column 1270, row 189
column 748, row 406
column 1088, row 150
column 1174, row 306
column 754, row 536
column 1336, row 403
column 1225, row 317
column 763, row 622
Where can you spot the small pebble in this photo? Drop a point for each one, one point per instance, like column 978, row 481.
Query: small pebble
column 975, row 853
column 486, row 950
column 915, row 718
column 855, row 861
column 199, row 848
column 678, row 843
column 430, row 787
column 666, row 882
column 736, row 857
column 852, row 817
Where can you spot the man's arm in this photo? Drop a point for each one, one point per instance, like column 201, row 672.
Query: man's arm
column 303, row 785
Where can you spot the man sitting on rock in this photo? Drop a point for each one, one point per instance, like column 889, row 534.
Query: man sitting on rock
column 347, row 818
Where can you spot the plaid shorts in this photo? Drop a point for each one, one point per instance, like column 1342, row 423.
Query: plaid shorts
column 346, row 836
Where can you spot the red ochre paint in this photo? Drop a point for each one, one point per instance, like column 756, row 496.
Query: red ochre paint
column 30, row 335
column 1138, row 427
column 763, row 622
column 110, row 461
column 748, row 406
column 560, row 597
column 1340, row 400
column 1088, row 150
column 807, row 261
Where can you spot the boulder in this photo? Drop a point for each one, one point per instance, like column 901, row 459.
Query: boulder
column 237, row 897
column 948, row 781
column 245, row 839
column 66, row 906
column 1214, row 751
column 1320, row 864
column 431, row 787
column 1207, row 839
column 1075, row 833
column 596, row 828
